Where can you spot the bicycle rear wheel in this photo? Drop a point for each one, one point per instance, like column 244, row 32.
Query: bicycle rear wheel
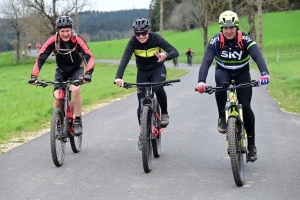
column 145, row 139
column 190, row 61
column 235, row 153
column 75, row 141
column 56, row 137
column 156, row 142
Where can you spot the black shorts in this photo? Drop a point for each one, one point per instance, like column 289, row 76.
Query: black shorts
column 66, row 76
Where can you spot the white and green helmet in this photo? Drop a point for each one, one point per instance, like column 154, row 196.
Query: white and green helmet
column 228, row 18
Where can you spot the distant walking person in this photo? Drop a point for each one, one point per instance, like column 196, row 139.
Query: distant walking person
column 72, row 54
column 38, row 46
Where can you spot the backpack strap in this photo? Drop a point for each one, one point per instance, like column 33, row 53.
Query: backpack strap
column 58, row 40
column 239, row 37
column 222, row 41
column 240, row 42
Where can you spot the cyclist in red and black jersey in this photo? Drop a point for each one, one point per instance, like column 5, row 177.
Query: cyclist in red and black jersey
column 189, row 53
column 72, row 54
column 29, row 47
column 146, row 47
column 232, row 62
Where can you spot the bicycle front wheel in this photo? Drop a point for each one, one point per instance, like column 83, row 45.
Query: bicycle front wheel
column 156, row 142
column 75, row 141
column 145, row 139
column 235, row 153
column 56, row 137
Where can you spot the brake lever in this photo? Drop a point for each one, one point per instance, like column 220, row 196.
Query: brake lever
column 127, row 86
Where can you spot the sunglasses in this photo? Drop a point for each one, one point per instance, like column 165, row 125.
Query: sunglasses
column 138, row 34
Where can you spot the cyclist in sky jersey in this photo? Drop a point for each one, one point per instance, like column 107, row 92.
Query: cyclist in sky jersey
column 232, row 50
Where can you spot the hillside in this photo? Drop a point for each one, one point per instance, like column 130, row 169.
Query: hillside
column 102, row 26
column 99, row 26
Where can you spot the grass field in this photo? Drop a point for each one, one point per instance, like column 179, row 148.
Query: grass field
column 26, row 108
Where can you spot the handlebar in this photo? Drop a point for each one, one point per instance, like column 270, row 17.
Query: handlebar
column 147, row 84
column 227, row 86
column 44, row 83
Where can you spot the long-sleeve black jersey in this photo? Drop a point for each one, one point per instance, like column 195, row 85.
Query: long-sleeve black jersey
column 232, row 58
column 144, row 53
column 71, row 55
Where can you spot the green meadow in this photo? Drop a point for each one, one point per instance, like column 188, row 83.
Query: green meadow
column 26, row 109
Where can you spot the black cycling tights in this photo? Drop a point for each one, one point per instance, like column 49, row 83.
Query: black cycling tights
column 244, row 98
column 155, row 75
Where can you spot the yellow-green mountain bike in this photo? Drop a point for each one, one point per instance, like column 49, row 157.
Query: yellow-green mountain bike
column 236, row 135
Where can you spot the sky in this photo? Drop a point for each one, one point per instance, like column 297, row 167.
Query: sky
column 115, row 5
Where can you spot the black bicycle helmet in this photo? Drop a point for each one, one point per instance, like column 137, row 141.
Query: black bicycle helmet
column 64, row 22
column 141, row 24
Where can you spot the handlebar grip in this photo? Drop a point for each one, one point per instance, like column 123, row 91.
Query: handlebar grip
column 32, row 80
column 173, row 81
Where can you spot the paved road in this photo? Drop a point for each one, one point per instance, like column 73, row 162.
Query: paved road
column 193, row 164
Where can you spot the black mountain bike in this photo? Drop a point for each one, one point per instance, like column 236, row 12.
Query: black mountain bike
column 190, row 62
column 236, row 135
column 175, row 61
column 62, row 127
column 150, row 121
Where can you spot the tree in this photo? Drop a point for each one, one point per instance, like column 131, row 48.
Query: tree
column 154, row 13
column 15, row 13
column 49, row 11
column 191, row 14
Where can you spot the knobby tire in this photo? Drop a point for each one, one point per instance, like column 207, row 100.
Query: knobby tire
column 56, row 141
column 145, row 139
column 190, row 61
column 236, row 156
column 156, row 143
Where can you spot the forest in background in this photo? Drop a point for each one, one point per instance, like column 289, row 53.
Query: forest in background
column 26, row 21
column 93, row 26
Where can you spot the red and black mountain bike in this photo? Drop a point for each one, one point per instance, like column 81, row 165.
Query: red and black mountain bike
column 62, row 127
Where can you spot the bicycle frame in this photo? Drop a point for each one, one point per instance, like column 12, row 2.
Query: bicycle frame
column 64, row 98
column 148, row 100
column 66, row 93
column 234, row 109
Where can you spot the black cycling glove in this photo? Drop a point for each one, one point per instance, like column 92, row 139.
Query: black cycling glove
column 33, row 79
column 87, row 77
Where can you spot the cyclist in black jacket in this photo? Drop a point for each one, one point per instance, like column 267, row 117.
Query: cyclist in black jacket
column 72, row 54
column 146, row 47
column 232, row 50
